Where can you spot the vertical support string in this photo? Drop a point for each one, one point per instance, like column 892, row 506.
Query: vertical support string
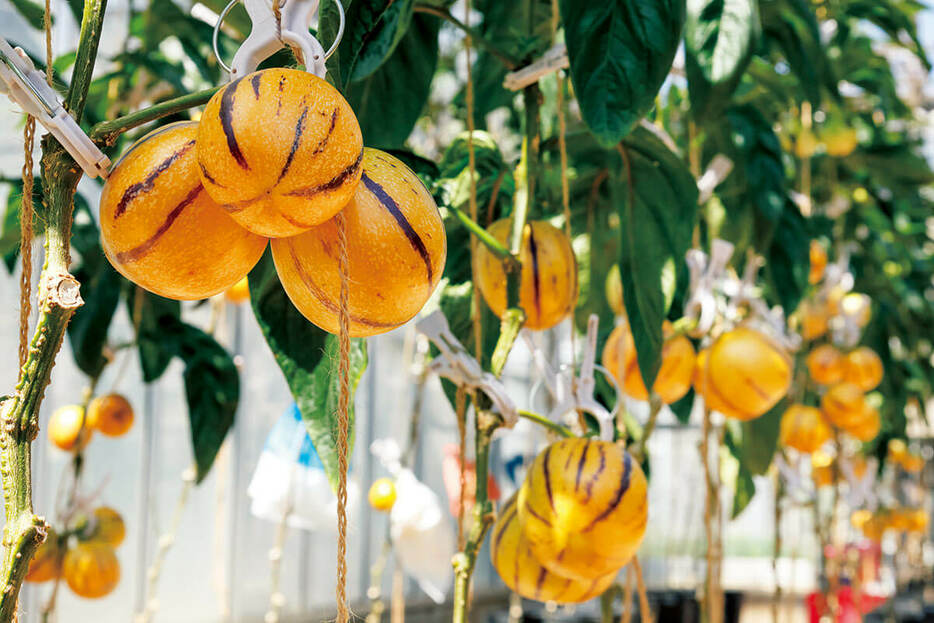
column 26, row 234
column 461, row 412
column 472, row 164
column 343, row 424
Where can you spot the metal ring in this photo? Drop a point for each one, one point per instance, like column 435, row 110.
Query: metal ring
column 230, row 6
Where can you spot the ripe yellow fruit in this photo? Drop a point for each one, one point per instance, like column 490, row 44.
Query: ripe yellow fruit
column 67, row 428
column 239, row 292
column 382, row 494
column 548, row 287
column 92, row 569
column 826, row 364
column 614, row 291
column 107, row 526
column 804, row 429
column 747, row 374
column 866, row 427
column 814, row 320
column 863, row 368
column 281, row 150
column 396, row 249
column 674, row 376
column 111, row 414
column 912, row 463
column 822, row 468
column 806, row 144
column 162, row 231
column 583, row 508
column 818, row 257
column 917, row 520
column 521, row 571
column 840, row 141
column 844, row 405
column 47, row 563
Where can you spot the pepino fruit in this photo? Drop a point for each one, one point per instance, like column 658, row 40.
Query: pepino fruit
column 804, row 429
column 583, row 508
column 107, row 526
column 867, row 427
column 548, row 287
column 863, row 368
column 111, row 414
column 92, row 569
column 674, row 376
column 614, row 291
column 382, row 494
column 814, row 320
column 281, row 150
column 826, row 365
column 747, row 374
column 522, row 573
column 47, row 563
column 844, row 405
column 238, row 292
column 396, row 250
column 840, row 141
column 818, row 257
column 67, row 428
column 162, row 231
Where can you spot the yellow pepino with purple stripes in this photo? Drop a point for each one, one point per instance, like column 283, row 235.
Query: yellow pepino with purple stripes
column 524, row 574
column 583, row 508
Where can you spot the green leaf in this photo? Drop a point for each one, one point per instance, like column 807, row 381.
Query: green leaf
column 373, row 31
column 308, row 358
column 787, row 260
column 682, row 408
column 390, row 100
column 743, row 493
column 760, row 440
column 157, row 316
column 620, row 54
column 719, row 39
column 31, row 11
column 656, row 198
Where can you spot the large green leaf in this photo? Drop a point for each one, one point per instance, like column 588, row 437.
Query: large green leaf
column 373, row 31
column 157, row 315
column 787, row 260
column 743, row 492
column 719, row 39
column 760, row 440
column 389, row 101
column 620, row 53
column 656, row 198
column 308, row 358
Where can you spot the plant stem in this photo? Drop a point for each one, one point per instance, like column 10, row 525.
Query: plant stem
column 59, row 297
column 508, row 61
column 494, row 245
column 655, row 407
column 106, row 132
column 541, row 420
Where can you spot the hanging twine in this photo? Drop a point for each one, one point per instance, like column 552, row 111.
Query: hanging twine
column 277, row 12
column 627, row 595
column 461, row 411
column 645, row 612
column 343, row 614
column 472, row 164
column 26, row 234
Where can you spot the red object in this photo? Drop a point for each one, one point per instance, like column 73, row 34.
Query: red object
column 451, row 472
column 849, row 613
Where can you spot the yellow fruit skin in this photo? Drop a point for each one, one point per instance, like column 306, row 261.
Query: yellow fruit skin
column 281, row 150
column 840, row 142
column 844, row 405
column 65, row 428
column 92, row 569
column 111, row 414
column 583, row 508
column 522, row 573
column 747, row 374
column 396, row 250
column 818, row 257
column 814, row 321
column 548, row 286
column 825, row 364
column 108, row 526
column 866, row 428
column 806, row 144
column 238, row 292
column 863, row 368
column 47, row 563
column 674, row 376
column 614, row 291
column 804, row 429
column 382, row 494
column 161, row 230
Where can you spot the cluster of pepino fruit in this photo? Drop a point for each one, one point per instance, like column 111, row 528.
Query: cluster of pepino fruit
column 71, row 428
column 276, row 157
column 84, row 555
column 899, row 519
column 578, row 518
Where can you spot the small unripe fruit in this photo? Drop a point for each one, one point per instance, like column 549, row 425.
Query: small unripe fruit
column 804, row 429
column 583, row 508
column 162, row 231
column 281, row 150
column 548, row 283
column 111, row 414
column 674, row 376
column 47, row 563
column 747, row 374
column 844, row 405
column 863, row 368
column 396, row 249
column 67, row 428
column 382, row 495
column 92, row 569
column 825, row 364
column 107, row 526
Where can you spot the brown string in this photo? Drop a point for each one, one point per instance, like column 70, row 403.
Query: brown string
column 461, row 410
column 472, row 164
column 47, row 23
column 343, row 422
column 25, row 224
column 277, row 12
column 627, row 595
column 645, row 612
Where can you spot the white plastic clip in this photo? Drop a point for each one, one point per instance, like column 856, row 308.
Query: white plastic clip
column 705, row 273
column 269, row 35
column 861, row 488
column 554, row 59
column 573, row 394
column 457, row 365
column 27, row 87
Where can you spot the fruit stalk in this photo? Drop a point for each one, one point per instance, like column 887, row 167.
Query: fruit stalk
column 106, row 132
column 59, row 297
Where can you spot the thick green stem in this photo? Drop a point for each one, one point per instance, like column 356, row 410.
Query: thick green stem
column 59, row 297
column 508, row 61
column 491, row 243
column 106, row 132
